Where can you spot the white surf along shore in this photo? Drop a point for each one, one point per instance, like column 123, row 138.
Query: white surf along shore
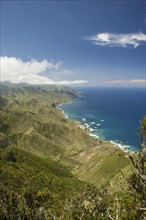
column 87, row 127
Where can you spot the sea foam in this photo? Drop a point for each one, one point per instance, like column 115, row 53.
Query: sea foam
column 125, row 148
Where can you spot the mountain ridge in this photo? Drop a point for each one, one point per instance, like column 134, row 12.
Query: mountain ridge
column 39, row 127
column 54, row 163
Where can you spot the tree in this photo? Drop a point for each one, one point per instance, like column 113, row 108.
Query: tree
column 133, row 197
column 4, row 124
column 137, row 181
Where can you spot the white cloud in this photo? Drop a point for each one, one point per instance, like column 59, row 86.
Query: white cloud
column 128, row 82
column 72, row 82
column 16, row 70
column 117, row 40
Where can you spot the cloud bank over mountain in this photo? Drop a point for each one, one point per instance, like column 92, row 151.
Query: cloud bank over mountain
column 16, row 70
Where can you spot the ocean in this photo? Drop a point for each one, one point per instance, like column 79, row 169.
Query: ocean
column 112, row 114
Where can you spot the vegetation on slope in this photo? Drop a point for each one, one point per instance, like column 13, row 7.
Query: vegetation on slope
column 35, row 124
column 42, row 152
column 30, row 184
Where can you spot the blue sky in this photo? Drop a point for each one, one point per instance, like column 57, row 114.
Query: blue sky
column 74, row 42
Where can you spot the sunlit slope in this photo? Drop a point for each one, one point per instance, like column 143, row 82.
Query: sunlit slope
column 34, row 182
column 36, row 125
column 100, row 164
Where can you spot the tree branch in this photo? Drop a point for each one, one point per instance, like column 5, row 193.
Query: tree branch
column 109, row 215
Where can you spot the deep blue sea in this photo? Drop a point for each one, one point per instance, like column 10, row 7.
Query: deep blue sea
column 112, row 114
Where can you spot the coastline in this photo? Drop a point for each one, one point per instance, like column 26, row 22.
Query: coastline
column 61, row 110
column 86, row 127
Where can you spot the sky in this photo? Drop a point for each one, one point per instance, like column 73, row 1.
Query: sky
column 95, row 43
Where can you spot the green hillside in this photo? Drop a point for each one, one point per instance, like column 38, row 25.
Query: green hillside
column 29, row 183
column 47, row 161
column 37, row 126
